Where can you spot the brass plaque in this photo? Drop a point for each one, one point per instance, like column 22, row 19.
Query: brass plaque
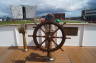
column 71, row 31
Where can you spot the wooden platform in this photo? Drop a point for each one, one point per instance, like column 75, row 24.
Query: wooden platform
column 69, row 55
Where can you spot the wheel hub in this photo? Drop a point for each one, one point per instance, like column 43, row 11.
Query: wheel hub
column 48, row 35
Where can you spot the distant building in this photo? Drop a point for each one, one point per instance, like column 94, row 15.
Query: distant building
column 30, row 11
column 5, row 18
column 60, row 15
column 23, row 12
column 17, row 12
column 89, row 15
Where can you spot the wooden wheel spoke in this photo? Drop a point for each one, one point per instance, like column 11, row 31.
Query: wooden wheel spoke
column 46, row 27
column 40, row 36
column 42, row 30
column 43, row 42
column 56, row 37
column 55, row 31
column 49, row 28
column 54, row 42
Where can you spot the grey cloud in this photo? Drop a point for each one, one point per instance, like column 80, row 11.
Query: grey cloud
column 92, row 4
column 44, row 6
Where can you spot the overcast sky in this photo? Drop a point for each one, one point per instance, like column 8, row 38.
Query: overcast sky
column 70, row 7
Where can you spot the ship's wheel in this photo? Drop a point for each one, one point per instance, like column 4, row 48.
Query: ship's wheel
column 49, row 36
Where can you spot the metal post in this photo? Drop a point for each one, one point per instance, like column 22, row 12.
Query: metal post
column 22, row 30
column 24, row 42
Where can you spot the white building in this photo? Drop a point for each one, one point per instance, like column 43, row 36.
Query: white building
column 23, row 12
column 30, row 11
column 17, row 12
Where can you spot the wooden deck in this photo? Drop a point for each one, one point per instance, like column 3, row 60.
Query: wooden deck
column 69, row 55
